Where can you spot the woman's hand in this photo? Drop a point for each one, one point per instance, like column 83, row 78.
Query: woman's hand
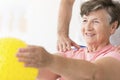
column 34, row 56
column 65, row 43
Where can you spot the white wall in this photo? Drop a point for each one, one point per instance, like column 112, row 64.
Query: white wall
column 34, row 21
column 42, row 23
column 75, row 25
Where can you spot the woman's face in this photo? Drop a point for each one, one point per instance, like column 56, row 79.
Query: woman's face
column 96, row 27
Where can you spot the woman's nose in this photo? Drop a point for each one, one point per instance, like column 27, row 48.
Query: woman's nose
column 89, row 26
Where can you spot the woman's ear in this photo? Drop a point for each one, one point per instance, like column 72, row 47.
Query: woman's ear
column 114, row 27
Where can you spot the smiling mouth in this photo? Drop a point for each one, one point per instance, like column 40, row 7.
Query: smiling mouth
column 89, row 35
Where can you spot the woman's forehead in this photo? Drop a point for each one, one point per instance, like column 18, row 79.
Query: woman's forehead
column 99, row 14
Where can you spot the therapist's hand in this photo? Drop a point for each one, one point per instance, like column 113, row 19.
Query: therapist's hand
column 34, row 56
column 65, row 43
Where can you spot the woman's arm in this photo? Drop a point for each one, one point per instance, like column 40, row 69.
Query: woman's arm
column 107, row 68
column 44, row 74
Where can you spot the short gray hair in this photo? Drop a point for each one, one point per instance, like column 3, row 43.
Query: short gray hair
column 112, row 8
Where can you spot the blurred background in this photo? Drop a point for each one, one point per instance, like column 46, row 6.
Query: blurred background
column 35, row 21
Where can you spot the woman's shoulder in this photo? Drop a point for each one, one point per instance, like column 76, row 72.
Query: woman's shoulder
column 73, row 53
column 113, row 53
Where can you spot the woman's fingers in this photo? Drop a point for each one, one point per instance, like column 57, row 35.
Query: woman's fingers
column 33, row 56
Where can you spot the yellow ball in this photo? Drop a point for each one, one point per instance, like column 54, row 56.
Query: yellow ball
column 10, row 68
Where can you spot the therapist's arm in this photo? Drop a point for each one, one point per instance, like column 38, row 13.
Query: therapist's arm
column 65, row 12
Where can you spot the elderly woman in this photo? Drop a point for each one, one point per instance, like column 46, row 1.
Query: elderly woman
column 97, row 61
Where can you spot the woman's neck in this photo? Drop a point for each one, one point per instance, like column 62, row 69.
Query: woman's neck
column 96, row 47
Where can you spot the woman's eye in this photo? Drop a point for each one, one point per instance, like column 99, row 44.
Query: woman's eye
column 96, row 21
column 84, row 21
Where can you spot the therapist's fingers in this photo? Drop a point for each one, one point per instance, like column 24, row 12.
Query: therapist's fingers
column 61, row 46
column 75, row 45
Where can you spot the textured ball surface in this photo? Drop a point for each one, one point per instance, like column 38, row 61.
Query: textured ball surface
column 10, row 68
